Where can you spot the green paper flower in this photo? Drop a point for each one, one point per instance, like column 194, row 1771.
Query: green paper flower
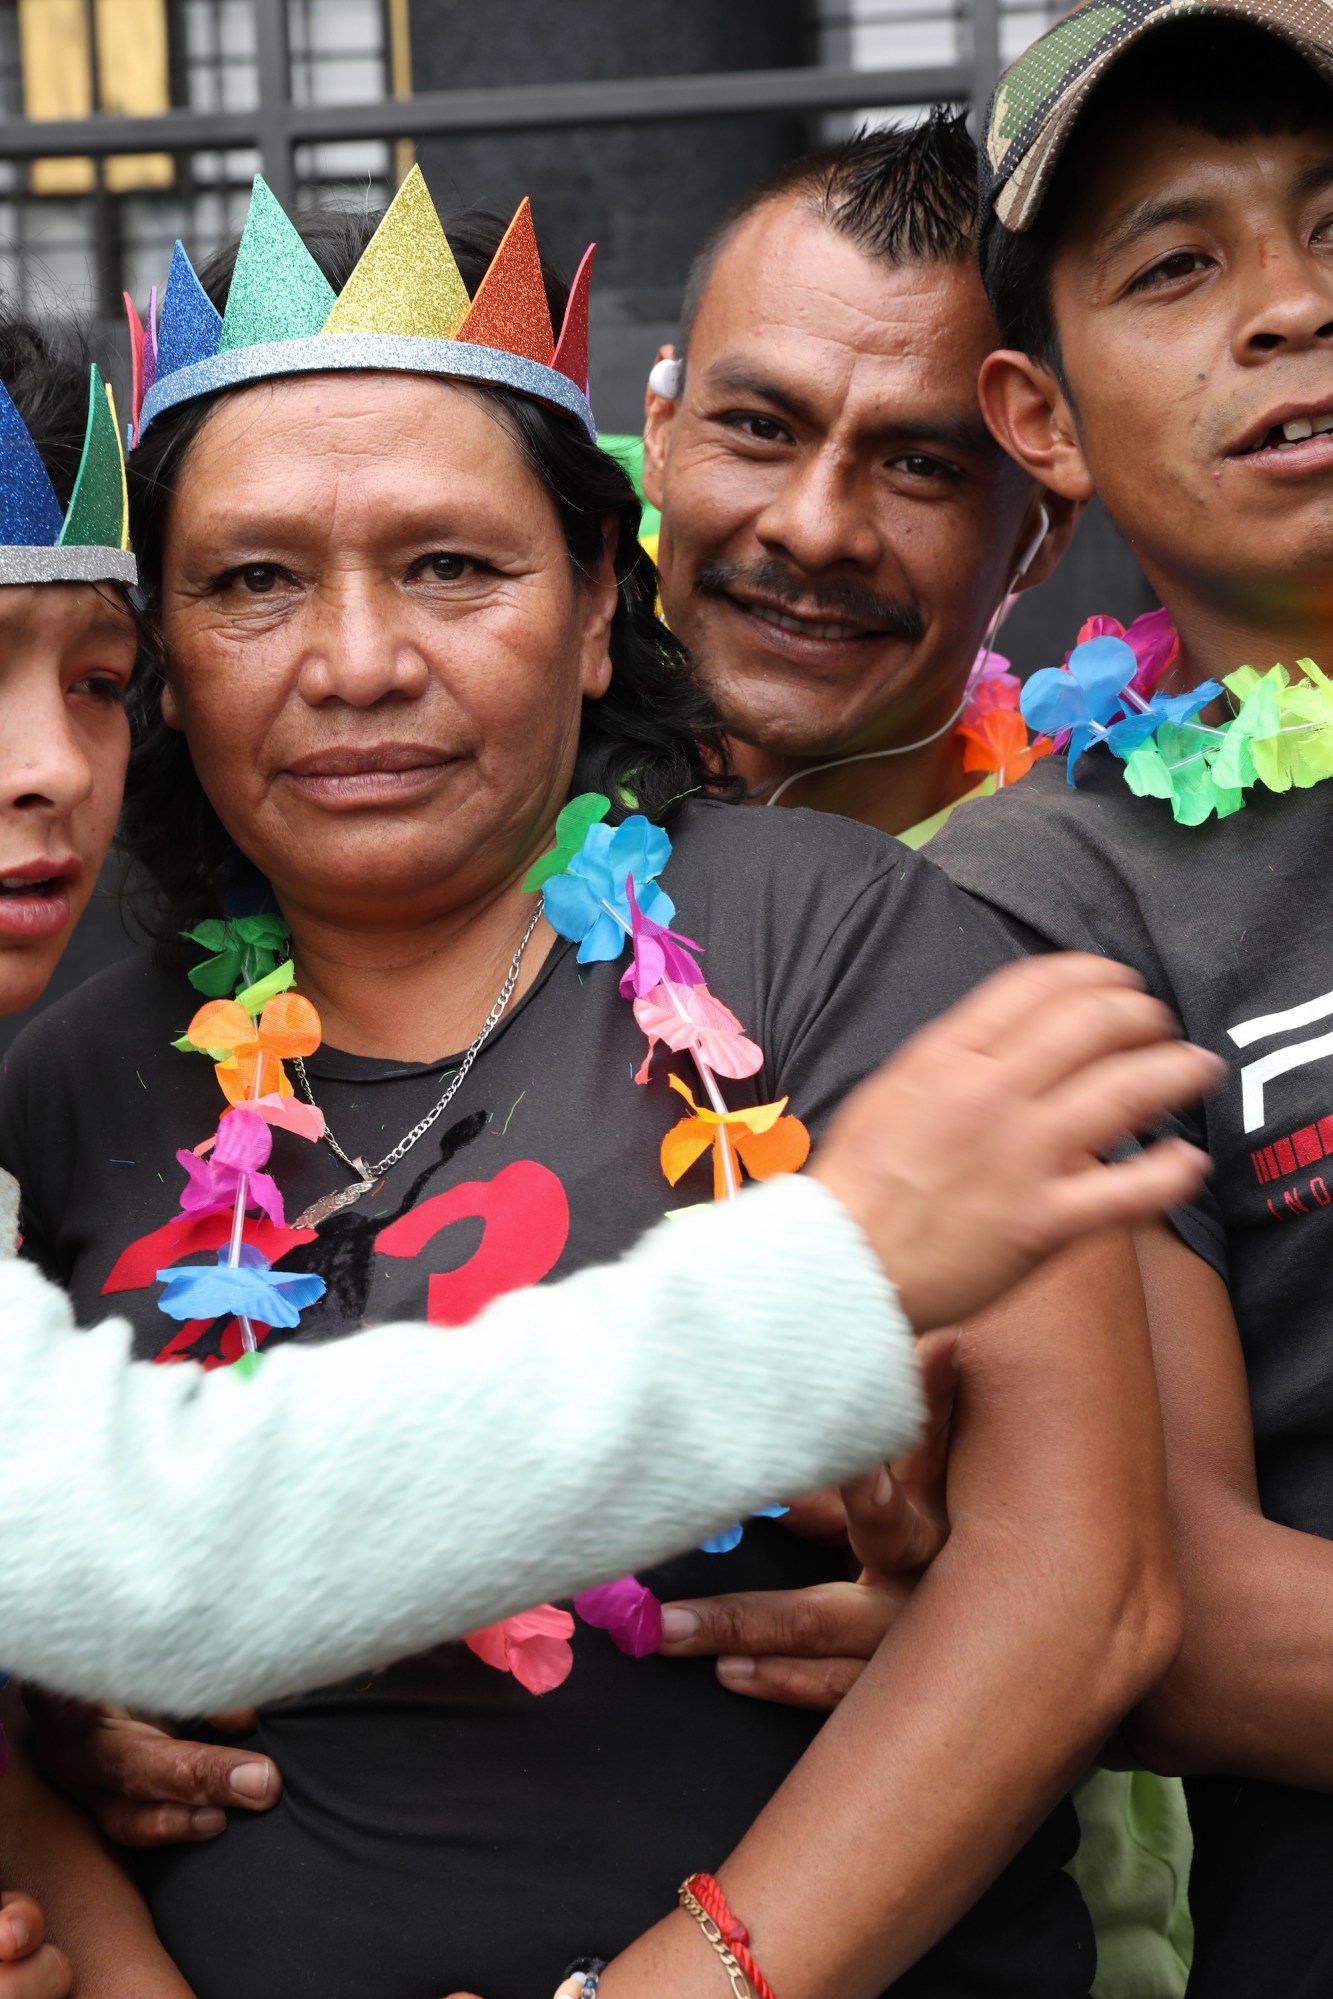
column 256, row 997
column 1286, row 724
column 245, row 949
column 571, row 830
column 1176, row 766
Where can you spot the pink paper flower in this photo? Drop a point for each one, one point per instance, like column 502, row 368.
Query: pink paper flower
column 241, row 1148
column 1151, row 638
column 988, row 666
column 627, row 1611
column 534, row 1647
column 657, row 953
column 688, row 1018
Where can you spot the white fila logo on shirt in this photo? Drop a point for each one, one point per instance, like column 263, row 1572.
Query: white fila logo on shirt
column 1256, row 1075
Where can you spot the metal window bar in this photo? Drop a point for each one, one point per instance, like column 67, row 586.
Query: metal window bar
column 251, row 85
column 276, row 125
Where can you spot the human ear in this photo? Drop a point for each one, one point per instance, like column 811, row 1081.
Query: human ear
column 602, row 594
column 171, row 713
column 1063, row 516
column 1031, row 418
column 658, row 415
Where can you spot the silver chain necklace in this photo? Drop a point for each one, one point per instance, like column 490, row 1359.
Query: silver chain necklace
column 370, row 1178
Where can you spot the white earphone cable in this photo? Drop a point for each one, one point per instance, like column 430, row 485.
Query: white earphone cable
column 992, row 632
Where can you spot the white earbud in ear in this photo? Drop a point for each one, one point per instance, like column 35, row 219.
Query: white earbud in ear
column 665, row 378
column 1028, row 557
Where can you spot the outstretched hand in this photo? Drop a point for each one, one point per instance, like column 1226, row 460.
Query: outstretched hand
column 971, row 1155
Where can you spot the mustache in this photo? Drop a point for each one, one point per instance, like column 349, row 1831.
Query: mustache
column 841, row 599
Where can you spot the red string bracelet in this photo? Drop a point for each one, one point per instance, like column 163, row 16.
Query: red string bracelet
column 706, row 1893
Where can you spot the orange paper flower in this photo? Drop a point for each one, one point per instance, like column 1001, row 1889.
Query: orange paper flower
column 765, row 1142
column 288, row 1026
column 999, row 741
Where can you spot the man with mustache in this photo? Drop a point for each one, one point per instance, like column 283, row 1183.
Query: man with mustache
column 839, row 528
column 839, row 531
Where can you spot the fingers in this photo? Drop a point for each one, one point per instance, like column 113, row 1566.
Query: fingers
column 156, row 1769
column 821, row 1518
column 831, row 1620
column 126, row 1823
column 145, row 1788
column 809, row 1683
column 235, row 1721
column 30, row 1968
column 1167, row 1175
column 1131, row 1092
column 1068, row 1030
column 1005, row 1000
column 22, row 1926
column 46, row 1975
column 890, row 1532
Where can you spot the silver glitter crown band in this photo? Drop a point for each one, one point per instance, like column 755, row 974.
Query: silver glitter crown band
column 69, row 564
column 368, row 352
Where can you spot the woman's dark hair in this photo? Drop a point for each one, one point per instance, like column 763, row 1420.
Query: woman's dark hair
column 652, row 739
column 1220, row 76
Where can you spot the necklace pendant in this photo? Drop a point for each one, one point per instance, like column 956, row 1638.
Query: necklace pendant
column 329, row 1204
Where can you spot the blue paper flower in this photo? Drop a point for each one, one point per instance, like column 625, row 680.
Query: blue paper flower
column 1082, row 699
column 589, row 903
column 252, row 1290
column 730, row 1537
column 723, row 1543
column 1126, row 736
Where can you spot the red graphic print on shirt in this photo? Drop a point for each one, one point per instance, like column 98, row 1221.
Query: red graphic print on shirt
column 523, row 1208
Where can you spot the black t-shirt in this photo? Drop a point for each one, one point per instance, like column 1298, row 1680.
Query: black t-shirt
column 1226, row 924
column 442, row 1828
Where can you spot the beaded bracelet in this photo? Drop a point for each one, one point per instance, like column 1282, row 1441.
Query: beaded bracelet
column 581, row 1979
column 702, row 1896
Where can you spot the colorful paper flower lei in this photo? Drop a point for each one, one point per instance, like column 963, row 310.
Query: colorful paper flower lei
column 247, row 1038
column 601, row 890
column 1280, row 735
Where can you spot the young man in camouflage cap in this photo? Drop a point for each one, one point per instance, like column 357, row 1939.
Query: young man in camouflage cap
column 1157, row 242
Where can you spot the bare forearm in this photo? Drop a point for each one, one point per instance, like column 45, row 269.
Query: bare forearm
column 977, row 1713
column 1250, row 1692
column 1050, row 1612
column 93, row 1909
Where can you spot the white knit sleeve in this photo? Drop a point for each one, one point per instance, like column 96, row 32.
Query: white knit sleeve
column 191, row 1541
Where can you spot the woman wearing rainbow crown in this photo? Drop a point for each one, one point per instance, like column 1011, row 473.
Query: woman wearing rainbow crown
column 420, row 772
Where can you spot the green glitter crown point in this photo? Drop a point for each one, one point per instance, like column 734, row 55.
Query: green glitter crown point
column 278, row 291
column 98, row 514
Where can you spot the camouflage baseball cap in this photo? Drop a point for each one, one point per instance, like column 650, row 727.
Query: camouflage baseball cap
column 1038, row 100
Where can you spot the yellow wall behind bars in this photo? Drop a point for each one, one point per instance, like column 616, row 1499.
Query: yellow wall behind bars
column 58, row 82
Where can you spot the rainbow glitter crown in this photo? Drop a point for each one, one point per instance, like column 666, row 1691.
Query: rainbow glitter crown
column 405, row 307
column 91, row 542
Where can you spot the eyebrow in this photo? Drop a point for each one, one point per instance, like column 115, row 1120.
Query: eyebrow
column 109, row 626
column 1146, row 216
column 965, row 432
column 1314, row 178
